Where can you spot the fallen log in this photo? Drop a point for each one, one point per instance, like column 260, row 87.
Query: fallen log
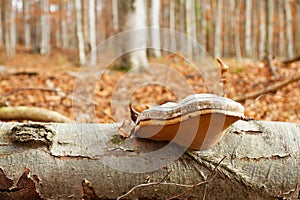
column 254, row 160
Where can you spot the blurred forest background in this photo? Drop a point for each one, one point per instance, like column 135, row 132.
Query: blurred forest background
column 41, row 41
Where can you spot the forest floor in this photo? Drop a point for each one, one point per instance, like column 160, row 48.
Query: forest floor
column 48, row 82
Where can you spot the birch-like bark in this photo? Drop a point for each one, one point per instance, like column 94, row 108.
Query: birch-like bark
column 173, row 42
column 289, row 29
column 260, row 160
column 248, row 21
column 79, row 31
column 45, row 28
column 218, row 30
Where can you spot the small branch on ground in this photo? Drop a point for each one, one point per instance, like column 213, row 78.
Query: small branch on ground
column 268, row 89
column 290, row 61
column 20, row 113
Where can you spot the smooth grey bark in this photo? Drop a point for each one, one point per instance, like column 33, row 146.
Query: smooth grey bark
column 26, row 14
column 45, row 27
column 248, row 21
column 218, row 29
column 1, row 27
column 297, row 35
column 237, row 31
column 281, row 45
column 10, row 28
column 261, row 162
column 154, row 22
column 79, row 31
column 262, row 28
column 269, row 10
column 114, row 9
column 132, row 16
column 92, row 30
column 203, row 25
column 190, row 17
column 289, row 29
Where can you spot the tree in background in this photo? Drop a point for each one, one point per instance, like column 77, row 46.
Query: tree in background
column 239, row 28
column 132, row 16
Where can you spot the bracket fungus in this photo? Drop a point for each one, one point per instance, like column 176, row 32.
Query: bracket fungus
column 197, row 122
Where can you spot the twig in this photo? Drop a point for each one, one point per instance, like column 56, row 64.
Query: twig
column 289, row 61
column 190, row 187
column 210, row 176
column 268, row 89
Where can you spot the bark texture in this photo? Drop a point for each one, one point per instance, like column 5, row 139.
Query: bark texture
column 71, row 161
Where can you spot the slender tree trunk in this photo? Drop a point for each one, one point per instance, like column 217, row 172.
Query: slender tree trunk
column 262, row 28
column 297, row 27
column 154, row 22
column 26, row 15
column 92, row 31
column 132, row 16
column 203, row 25
column 10, row 29
column 269, row 10
column 281, row 39
column 45, row 27
column 79, row 31
column 64, row 27
column 190, row 25
column 289, row 29
column 237, row 31
column 115, row 14
column 218, row 30
column 248, row 22
column 1, row 27
column 182, row 42
column 173, row 42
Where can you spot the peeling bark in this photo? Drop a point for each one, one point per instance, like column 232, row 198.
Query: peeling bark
column 90, row 161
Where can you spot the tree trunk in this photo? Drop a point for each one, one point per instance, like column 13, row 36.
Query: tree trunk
column 155, row 33
column 79, row 31
column 237, row 31
column 248, row 22
column 190, row 26
column 26, row 18
column 45, row 27
column 10, row 28
column 289, row 29
column 297, row 34
column 173, row 42
column 203, row 25
column 92, row 31
column 281, row 45
column 218, row 30
column 254, row 160
column 114, row 7
column 269, row 10
column 132, row 16
column 262, row 28
column 1, row 27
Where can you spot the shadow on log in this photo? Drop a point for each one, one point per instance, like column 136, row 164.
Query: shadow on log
column 91, row 161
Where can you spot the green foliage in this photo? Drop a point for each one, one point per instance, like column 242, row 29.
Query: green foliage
column 122, row 68
column 116, row 139
column 239, row 70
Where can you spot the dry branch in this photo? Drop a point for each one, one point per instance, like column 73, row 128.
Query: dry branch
column 289, row 61
column 272, row 88
column 92, row 161
column 19, row 113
